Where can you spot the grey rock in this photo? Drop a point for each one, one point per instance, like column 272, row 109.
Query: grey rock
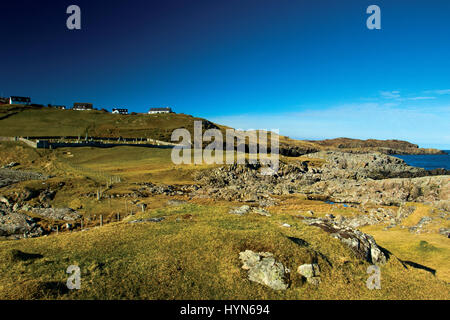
column 309, row 270
column 66, row 214
column 261, row 212
column 445, row 232
column 10, row 176
column 262, row 268
column 362, row 244
column 15, row 225
column 418, row 228
column 10, row 165
column 47, row 195
column 148, row 220
column 240, row 210
column 176, row 202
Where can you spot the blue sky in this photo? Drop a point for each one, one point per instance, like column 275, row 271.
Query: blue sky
column 311, row 69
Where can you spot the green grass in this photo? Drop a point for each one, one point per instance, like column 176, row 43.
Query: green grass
column 32, row 121
column 194, row 252
column 17, row 120
column 196, row 258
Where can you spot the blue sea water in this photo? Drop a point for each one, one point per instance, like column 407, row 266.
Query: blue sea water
column 428, row 161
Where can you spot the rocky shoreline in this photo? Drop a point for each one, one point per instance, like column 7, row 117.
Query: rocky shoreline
column 344, row 177
column 359, row 179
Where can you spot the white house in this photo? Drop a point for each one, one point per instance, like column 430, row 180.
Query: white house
column 160, row 110
column 119, row 111
column 19, row 100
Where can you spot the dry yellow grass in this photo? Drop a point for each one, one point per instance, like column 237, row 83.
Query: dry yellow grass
column 428, row 248
column 196, row 257
column 193, row 253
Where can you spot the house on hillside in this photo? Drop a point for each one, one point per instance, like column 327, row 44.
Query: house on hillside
column 57, row 107
column 119, row 111
column 81, row 106
column 160, row 110
column 19, row 100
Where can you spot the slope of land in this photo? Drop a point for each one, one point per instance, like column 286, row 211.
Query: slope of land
column 17, row 120
column 25, row 121
column 177, row 231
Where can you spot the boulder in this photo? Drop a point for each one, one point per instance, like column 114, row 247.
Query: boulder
column 176, row 202
column 361, row 244
column 47, row 195
column 264, row 269
column 261, row 212
column 309, row 270
column 10, row 165
column 240, row 210
column 15, row 225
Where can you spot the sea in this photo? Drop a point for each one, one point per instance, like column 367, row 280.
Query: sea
column 428, row 161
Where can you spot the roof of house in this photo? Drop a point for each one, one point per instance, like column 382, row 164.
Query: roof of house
column 22, row 99
column 160, row 109
column 83, row 104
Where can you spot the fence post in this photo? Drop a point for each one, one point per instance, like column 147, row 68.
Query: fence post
column 101, row 220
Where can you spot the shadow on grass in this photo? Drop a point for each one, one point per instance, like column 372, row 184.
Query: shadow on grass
column 17, row 255
column 54, row 288
column 407, row 264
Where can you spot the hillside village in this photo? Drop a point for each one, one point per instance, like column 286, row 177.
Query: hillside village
column 78, row 106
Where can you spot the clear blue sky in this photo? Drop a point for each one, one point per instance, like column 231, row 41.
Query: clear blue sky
column 309, row 68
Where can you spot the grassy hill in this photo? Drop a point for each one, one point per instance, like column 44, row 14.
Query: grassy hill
column 194, row 252
column 18, row 120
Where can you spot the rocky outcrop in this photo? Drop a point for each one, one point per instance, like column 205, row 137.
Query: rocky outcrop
column 66, row 214
column 363, row 245
column 16, row 225
column 344, row 177
column 264, row 269
column 384, row 192
column 291, row 150
column 246, row 183
column 342, row 165
column 10, row 176
column 372, row 145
